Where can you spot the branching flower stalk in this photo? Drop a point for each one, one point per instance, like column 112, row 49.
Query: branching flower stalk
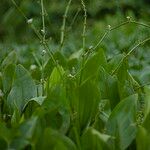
column 128, row 54
column 63, row 28
column 109, row 29
column 116, row 27
column 38, row 34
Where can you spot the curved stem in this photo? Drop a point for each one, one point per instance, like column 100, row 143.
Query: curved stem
column 128, row 54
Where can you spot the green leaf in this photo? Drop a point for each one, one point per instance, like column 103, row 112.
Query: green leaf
column 94, row 62
column 89, row 97
column 56, row 102
column 10, row 59
column 3, row 144
column 7, row 77
column 74, row 59
column 55, row 77
column 114, row 62
column 109, row 87
column 122, row 122
column 142, row 139
column 147, row 102
column 26, row 133
column 27, row 128
column 39, row 100
column 5, row 133
column 49, row 66
column 55, row 141
column 92, row 139
column 23, row 89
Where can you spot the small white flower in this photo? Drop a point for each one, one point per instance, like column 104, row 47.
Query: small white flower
column 33, row 67
column 128, row 18
column 70, row 76
column 43, row 31
column 43, row 52
column 91, row 47
column 29, row 21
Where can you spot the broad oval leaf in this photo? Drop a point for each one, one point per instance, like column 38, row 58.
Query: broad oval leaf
column 23, row 89
column 10, row 59
column 122, row 122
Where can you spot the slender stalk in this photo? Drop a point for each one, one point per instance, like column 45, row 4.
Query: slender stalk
column 74, row 18
column 83, row 38
column 100, row 41
column 63, row 28
column 141, row 23
column 43, row 20
column 128, row 54
column 45, row 44
column 84, row 25
column 15, row 4
column 118, row 26
column 141, row 86
column 108, row 32
column 37, row 60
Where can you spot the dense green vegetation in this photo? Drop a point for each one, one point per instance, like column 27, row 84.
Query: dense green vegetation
column 77, row 82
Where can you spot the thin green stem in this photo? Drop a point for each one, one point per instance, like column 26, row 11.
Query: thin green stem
column 141, row 23
column 37, row 60
column 100, row 41
column 120, row 25
column 116, row 27
column 84, row 25
column 43, row 20
column 45, row 44
column 141, row 86
column 83, row 38
column 15, row 4
column 63, row 28
column 74, row 18
column 128, row 54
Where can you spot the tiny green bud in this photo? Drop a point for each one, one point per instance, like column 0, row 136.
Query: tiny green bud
column 43, row 31
column 109, row 27
column 43, row 52
column 128, row 18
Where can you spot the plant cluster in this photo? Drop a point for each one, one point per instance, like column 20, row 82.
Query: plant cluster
column 82, row 102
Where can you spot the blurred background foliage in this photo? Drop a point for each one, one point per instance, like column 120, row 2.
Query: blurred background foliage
column 16, row 34
column 13, row 25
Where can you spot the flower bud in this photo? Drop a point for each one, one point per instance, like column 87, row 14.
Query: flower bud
column 109, row 27
column 29, row 21
column 128, row 18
